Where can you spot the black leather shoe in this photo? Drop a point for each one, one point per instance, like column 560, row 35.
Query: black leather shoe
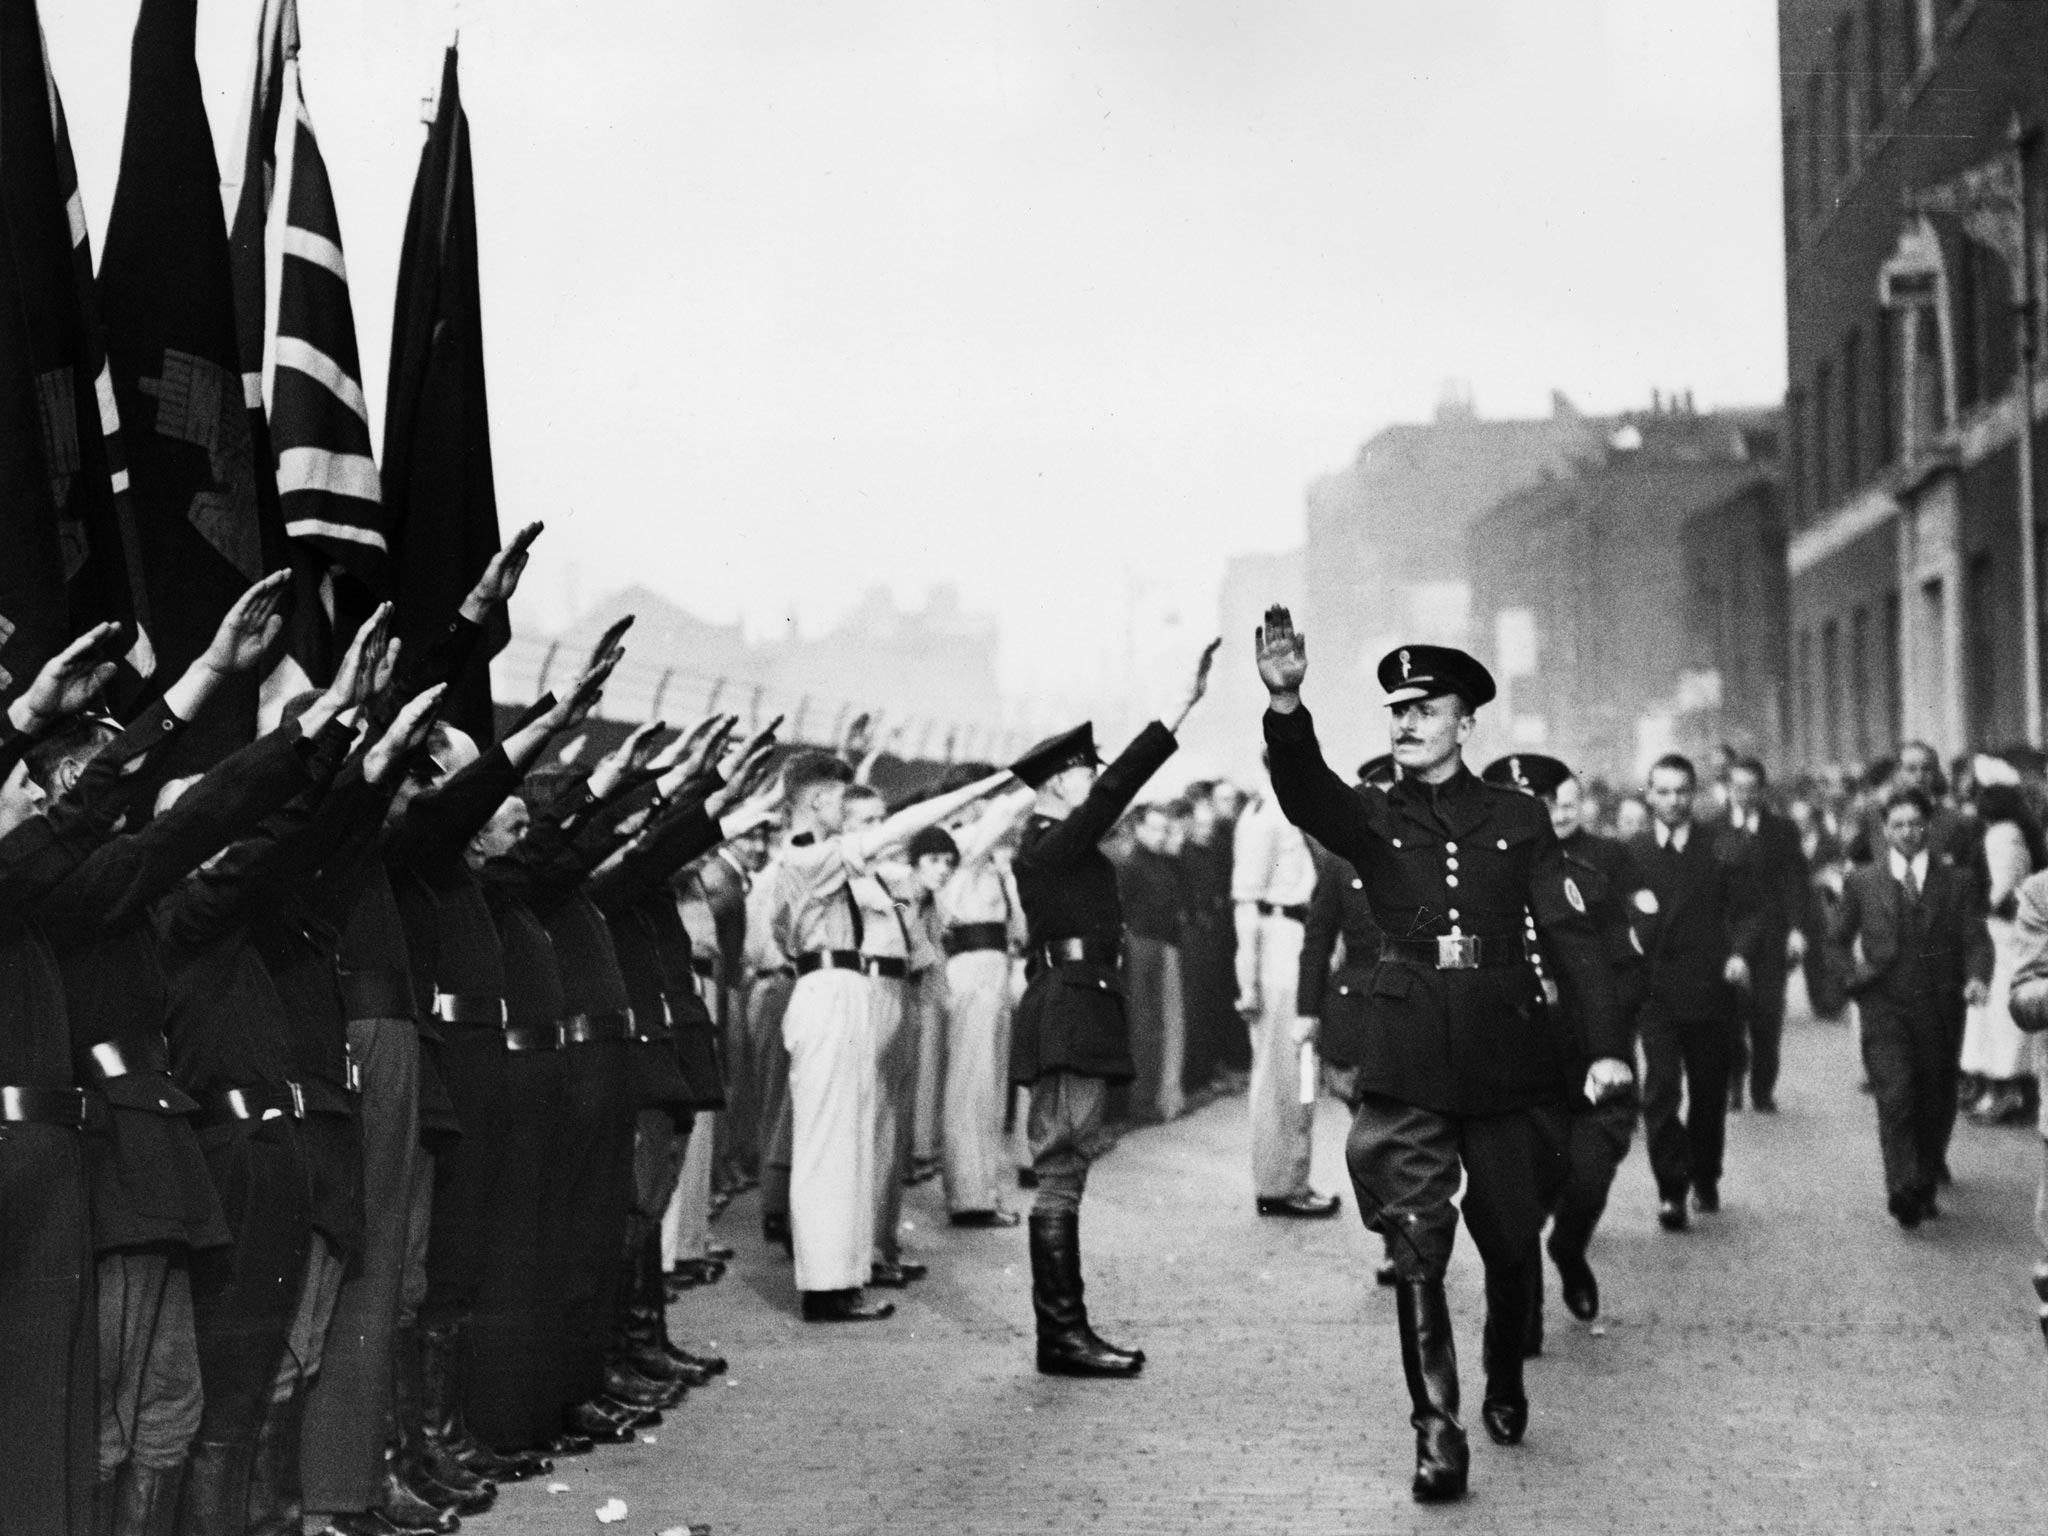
column 775, row 1228
column 1707, row 1199
column 1576, row 1280
column 710, row 1365
column 592, row 1422
column 1027, row 1178
column 897, row 1276
column 409, row 1512
column 1766, row 1106
column 628, row 1386
column 1905, row 1209
column 1385, row 1274
column 366, row 1522
column 720, row 1252
column 2041, row 1290
column 1308, row 1205
column 505, row 1466
column 844, row 1307
column 568, row 1443
column 1671, row 1214
column 983, row 1219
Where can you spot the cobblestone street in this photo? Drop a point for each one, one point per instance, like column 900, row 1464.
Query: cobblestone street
column 1794, row 1364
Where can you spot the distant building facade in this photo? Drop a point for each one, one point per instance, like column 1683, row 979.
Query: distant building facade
column 1590, row 604
column 1386, row 550
column 1902, row 411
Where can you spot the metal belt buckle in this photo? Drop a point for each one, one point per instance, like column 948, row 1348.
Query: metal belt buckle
column 299, row 1096
column 1457, row 952
column 108, row 1058
column 353, row 1076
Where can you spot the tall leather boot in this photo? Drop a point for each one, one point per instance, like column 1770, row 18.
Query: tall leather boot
column 106, row 1493
column 2041, row 1290
column 275, row 1492
column 637, row 1329
column 1067, row 1346
column 429, row 1363
column 657, row 1290
column 145, row 1501
column 1505, row 1409
column 1532, row 1332
column 214, row 1500
column 441, row 1417
column 1429, row 1359
column 412, row 1460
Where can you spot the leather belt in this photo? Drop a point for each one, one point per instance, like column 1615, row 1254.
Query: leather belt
column 469, row 1008
column 775, row 973
column 126, row 1058
column 258, row 1103
column 588, row 1028
column 51, row 1106
column 1054, row 952
column 533, row 1037
column 890, row 966
column 973, row 938
column 1458, row 952
column 381, row 992
column 1294, row 914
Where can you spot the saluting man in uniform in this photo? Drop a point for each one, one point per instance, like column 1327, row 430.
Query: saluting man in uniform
column 1462, row 1061
column 1600, row 1130
column 1071, row 1036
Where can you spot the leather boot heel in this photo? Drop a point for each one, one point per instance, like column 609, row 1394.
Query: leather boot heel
column 1429, row 1359
column 1503, row 1347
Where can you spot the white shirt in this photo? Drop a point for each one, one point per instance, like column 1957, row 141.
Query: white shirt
column 1667, row 838
column 1270, row 861
column 1918, row 868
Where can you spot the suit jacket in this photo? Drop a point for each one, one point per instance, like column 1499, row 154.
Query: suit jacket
column 1778, row 877
column 1701, row 909
column 1912, row 958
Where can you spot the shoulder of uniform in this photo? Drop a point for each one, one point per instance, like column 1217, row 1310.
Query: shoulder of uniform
column 1513, row 806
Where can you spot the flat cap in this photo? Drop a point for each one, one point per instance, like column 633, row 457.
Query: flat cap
column 1424, row 671
column 1530, row 772
column 1056, row 754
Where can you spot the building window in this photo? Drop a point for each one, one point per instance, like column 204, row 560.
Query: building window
column 1852, row 412
column 1846, row 105
column 1794, row 202
column 1795, row 453
column 1816, row 136
column 1802, row 724
column 1914, row 23
column 1877, row 97
column 1831, row 690
column 1884, row 387
column 1861, row 700
column 1969, row 372
column 1982, row 618
column 1823, row 436
column 1894, row 685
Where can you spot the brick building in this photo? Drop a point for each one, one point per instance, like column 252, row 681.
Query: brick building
column 1385, row 555
column 1592, row 604
column 1902, row 413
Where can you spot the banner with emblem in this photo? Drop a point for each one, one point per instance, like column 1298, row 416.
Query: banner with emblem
column 440, row 497
column 65, row 524
column 206, row 499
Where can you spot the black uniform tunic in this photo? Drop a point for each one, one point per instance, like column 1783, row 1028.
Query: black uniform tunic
column 1330, row 990
column 1071, row 1017
column 149, row 1181
column 1472, row 859
column 49, row 1421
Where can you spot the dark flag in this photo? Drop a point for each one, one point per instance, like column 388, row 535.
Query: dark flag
column 205, row 495
column 440, row 503
column 65, row 525
column 298, row 336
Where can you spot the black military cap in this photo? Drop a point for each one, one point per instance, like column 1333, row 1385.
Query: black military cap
column 1530, row 772
column 1056, row 754
column 1424, row 671
column 1378, row 772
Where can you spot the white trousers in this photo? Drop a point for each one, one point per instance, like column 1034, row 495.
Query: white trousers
column 929, row 994
column 1280, row 1121
column 977, row 1165
column 829, row 1032
column 894, row 1026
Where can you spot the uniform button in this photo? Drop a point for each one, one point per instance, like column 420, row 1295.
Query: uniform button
column 1454, row 914
column 1503, row 845
column 1451, row 880
column 1450, row 863
column 1397, row 842
column 1358, row 885
column 1450, row 847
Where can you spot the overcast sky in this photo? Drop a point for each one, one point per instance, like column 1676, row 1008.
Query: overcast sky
column 783, row 300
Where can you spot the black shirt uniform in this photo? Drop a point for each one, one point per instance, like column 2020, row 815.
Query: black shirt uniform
column 1329, row 989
